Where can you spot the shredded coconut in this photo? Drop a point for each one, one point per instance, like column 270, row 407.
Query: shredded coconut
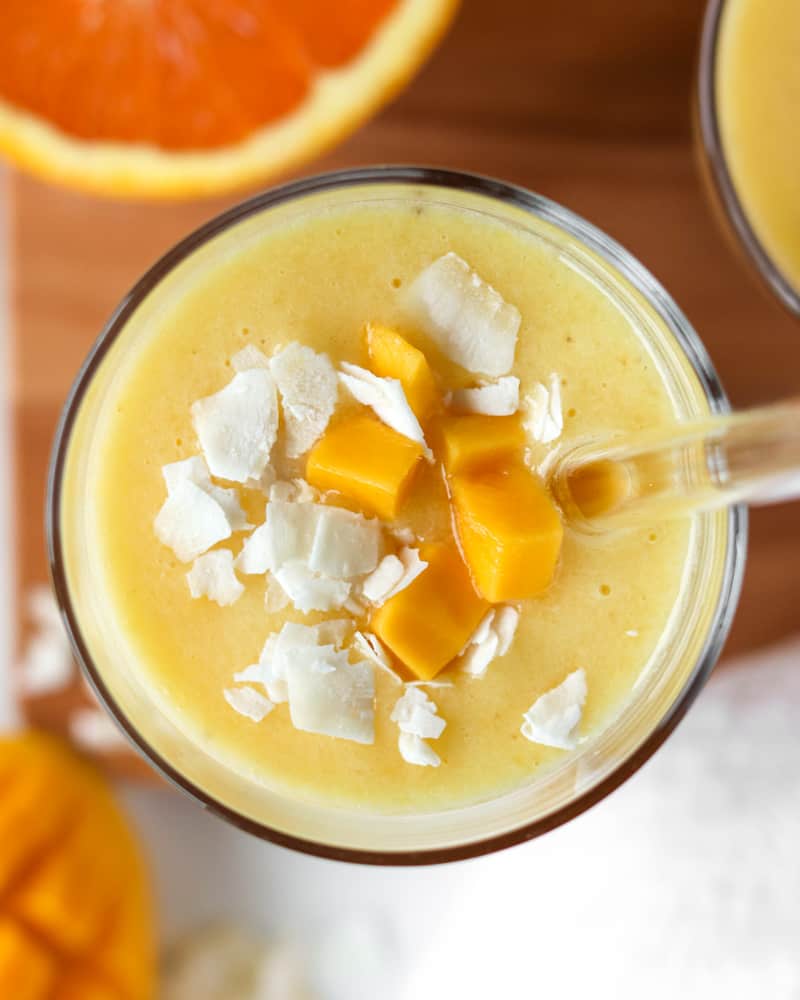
column 190, row 521
column 212, row 576
column 553, row 718
column 249, row 357
column 195, row 470
column 310, row 592
column 495, row 399
column 237, row 426
column 416, row 717
column 543, row 420
column 309, row 389
column 330, row 696
column 345, row 544
column 468, row 319
column 275, row 597
column 377, row 587
column 248, row 702
column 369, row 646
column 505, row 625
column 414, row 750
column 387, row 399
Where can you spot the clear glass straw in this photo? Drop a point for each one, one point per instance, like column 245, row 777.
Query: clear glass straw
column 752, row 456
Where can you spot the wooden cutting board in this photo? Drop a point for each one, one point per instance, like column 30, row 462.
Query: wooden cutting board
column 587, row 103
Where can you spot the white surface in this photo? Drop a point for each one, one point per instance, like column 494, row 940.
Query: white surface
column 685, row 883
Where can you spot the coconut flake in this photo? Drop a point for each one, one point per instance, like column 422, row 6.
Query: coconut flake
column 553, row 718
column 492, row 638
column 404, row 534
column 255, row 555
column 543, row 420
column 275, row 597
column 248, row 702
column 190, row 521
column 212, row 576
column 387, row 399
column 414, row 750
column 369, row 646
column 310, row 592
column 415, row 715
column 237, row 426
column 495, row 399
column 505, row 625
column 345, row 544
column 93, row 729
column 249, row 357
column 330, row 696
column 379, row 584
column 195, row 470
column 309, row 390
column 304, row 491
column 468, row 319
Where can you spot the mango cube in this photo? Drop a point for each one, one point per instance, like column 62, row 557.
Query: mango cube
column 366, row 461
column 391, row 356
column 474, row 441
column 510, row 532
column 428, row 624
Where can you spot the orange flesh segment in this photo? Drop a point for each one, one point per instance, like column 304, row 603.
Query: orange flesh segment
column 428, row 624
column 474, row 441
column 194, row 74
column 366, row 461
column 391, row 356
column 510, row 532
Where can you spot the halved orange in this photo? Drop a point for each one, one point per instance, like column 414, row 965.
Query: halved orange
column 176, row 98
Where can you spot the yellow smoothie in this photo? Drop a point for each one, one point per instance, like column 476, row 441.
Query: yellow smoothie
column 758, row 105
column 316, row 279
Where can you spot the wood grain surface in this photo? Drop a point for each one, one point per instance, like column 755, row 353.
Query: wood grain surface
column 587, row 103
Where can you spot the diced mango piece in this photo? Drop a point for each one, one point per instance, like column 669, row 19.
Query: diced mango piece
column 27, row 971
column 598, row 488
column 428, row 624
column 510, row 531
column 473, row 441
column 391, row 356
column 366, row 461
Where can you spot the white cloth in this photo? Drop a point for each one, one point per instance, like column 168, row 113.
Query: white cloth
column 684, row 883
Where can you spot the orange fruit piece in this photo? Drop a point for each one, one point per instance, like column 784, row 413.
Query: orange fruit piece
column 366, row 461
column 76, row 916
column 391, row 356
column 428, row 623
column 510, row 532
column 183, row 97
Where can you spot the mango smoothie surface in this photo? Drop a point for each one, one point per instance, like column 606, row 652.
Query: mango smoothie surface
column 319, row 517
column 757, row 83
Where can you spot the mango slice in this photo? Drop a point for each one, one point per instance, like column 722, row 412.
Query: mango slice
column 428, row 624
column 474, row 441
column 76, row 918
column 27, row 971
column 510, row 532
column 391, row 356
column 366, row 461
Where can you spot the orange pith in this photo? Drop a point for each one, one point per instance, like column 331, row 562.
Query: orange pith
column 177, row 74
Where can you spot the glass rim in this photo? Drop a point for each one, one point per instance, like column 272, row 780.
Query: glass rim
column 597, row 241
column 719, row 176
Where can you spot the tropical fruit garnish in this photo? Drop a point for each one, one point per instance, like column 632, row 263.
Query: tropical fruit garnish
column 76, row 916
